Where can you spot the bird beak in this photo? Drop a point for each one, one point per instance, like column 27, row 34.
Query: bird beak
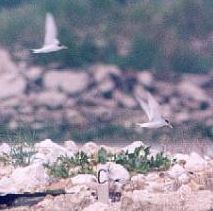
column 170, row 125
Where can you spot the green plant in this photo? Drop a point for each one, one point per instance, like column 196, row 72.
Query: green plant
column 139, row 162
column 20, row 154
column 68, row 166
column 102, row 155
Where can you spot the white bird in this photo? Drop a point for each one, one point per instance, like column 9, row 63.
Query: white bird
column 51, row 42
column 152, row 110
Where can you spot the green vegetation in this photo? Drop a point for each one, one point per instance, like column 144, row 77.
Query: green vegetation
column 69, row 166
column 136, row 35
column 139, row 161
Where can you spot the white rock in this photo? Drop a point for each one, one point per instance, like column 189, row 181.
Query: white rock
column 25, row 179
column 102, row 72
column 97, row 206
column 145, row 78
column 131, row 148
column 6, row 63
column 152, row 176
column 7, row 186
column 176, row 171
column 106, row 85
column 82, row 179
column 49, row 151
column 195, row 162
column 184, row 178
column 6, row 170
column 138, row 181
column 180, row 156
column 11, row 85
column 5, row 149
column 125, row 100
column 118, row 173
column 154, row 186
column 33, row 73
column 90, row 148
column 189, row 89
column 71, row 146
column 138, row 178
column 68, row 81
column 50, row 98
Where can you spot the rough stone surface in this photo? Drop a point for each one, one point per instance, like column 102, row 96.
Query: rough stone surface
column 68, row 81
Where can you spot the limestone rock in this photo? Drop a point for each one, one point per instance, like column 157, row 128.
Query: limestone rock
column 81, row 179
column 176, row 171
column 189, row 89
column 69, row 81
column 5, row 149
column 102, row 72
column 48, row 152
column 26, row 179
column 97, row 206
column 90, row 148
column 71, row 146
column 52, row 99
column 195, row 162
column 118, row 173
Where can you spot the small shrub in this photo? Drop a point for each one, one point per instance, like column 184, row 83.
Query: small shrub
column 139, row 161
column 69, row 166
column 21, row 154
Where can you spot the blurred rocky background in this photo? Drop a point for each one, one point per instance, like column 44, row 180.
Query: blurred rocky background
column 117, row 49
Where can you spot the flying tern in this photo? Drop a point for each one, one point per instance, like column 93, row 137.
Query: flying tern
column 51, row 42
column 152, row 110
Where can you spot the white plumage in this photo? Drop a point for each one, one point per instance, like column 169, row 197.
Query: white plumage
column 153, row 113
column 51, row 42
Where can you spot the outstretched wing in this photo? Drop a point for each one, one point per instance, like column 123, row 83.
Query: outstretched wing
column 144, row 106
column 50, row 30
column 154, row 108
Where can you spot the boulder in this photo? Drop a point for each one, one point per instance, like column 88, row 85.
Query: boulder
column 90, row 148
column 106, row 85
column 52, row 99
column 71, row 146
column 69, row 81
column 26, row 179
column 11, row 85
column 48, row 152
column 118, row 173
column 33, row 73
column 176, row 171
column 124, row 100
column 195, row 162
column 145, row 78
column 82, row 179
column 102, row 72
column 138, row 181
column 188, row 89
column 5, row 149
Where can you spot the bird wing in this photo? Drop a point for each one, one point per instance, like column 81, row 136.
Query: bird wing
column 50, row 30
column 144, row 106
column 154, row 108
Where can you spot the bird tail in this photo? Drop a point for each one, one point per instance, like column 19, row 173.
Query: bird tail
column 34, row 50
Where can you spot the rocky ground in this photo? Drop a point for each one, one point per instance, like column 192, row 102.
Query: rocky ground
column 100, row 94
column 187, row 184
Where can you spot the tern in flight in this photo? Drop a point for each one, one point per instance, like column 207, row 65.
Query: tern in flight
column 51, row 42
column 152, row 110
